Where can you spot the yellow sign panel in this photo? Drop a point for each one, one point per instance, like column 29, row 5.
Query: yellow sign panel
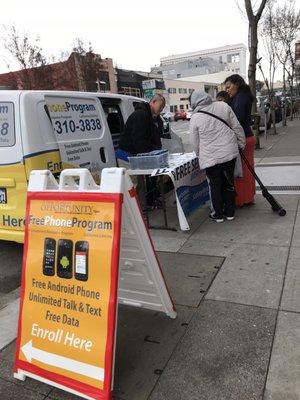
column 69, row 290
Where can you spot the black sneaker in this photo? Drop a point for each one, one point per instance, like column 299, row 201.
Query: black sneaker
column 213, row 218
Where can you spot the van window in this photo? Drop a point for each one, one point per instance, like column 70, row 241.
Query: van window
column 114, row 119
column 45, row 125
column 7, row 124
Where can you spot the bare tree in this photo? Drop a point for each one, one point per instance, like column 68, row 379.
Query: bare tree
column 253, row 20
column 28, row 55
column 287, row 25
column 271, row 51
column 86, row 66
column 291, row 72
column 80, row 47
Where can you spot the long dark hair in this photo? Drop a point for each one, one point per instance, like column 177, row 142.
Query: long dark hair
column 241, row 84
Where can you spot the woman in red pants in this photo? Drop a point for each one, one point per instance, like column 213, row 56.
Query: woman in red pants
column 241, row 100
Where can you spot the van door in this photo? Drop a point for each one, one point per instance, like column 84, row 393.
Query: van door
column 13, row 182
column 40, row 147
column 115, row 120
column 81, row 131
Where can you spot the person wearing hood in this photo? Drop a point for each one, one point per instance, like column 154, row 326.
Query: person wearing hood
column 216, row 136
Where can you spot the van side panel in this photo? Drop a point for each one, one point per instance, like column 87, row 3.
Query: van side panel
column 48, row 159
column 27, row 142
column 40, row 146
column 13, row 182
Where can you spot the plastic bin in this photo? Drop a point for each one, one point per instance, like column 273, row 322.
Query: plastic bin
column 152, row 160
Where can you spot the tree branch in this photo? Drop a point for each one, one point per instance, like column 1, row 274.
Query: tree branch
column 249, row 10
column 261, row 9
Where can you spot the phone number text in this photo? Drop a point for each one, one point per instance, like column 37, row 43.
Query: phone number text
column 83, row 125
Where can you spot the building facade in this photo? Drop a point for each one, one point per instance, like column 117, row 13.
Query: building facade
column 131, row 82
column 227, row 60
column 178, row 92
column 79, row 72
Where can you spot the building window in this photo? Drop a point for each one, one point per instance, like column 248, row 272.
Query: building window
column 175, row 108
column 172, row 108
column 182, row 90
column 187, row 106
column 181, row 107
column 130, row 91
column 233, row 58
column 178, row 75
column 172, row 90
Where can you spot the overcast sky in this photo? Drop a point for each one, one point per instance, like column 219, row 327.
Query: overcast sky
column 135, row 34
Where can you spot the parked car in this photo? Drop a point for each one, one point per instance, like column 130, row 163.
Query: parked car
column 180, row 115
column 166, row 124
column 189, row 114
column 287, row 99
column 278, row 104
column 263, row 108
column 169, row 116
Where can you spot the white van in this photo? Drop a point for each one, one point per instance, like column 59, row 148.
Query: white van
column 40, row 130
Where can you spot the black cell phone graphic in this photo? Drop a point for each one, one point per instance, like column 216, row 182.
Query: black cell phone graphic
column 65, row 258
column 49, row 257
column 81, row 258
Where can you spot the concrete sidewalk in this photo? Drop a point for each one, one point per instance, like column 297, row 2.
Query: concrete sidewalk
column 236, row 286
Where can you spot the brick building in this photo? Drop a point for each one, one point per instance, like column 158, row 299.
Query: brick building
column 79, row 72
column 131, row 82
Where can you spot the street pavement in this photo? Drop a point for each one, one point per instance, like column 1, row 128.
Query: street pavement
column 236, row 287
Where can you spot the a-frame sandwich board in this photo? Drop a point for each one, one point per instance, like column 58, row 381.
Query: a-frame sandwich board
column 70, row 278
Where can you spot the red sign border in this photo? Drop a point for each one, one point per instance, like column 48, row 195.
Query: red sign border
column 106, row 392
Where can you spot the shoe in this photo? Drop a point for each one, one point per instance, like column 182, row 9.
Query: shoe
column 213, row 218
column 230, row 218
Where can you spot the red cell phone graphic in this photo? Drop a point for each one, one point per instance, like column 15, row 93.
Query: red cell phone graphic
column 65, row 258
column 81, row 260
column 49, row 257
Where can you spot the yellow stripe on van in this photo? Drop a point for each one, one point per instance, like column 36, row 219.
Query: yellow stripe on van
column 14, row 184
column 14, row 179
column 45, row 160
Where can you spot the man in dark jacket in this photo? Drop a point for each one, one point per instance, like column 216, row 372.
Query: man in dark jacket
column 142, row 131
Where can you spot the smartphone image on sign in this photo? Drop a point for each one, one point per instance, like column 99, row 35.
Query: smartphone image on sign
column 49, row 257
column 64, row 258
column 81, row 260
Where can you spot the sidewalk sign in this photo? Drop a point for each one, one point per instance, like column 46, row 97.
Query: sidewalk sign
column 191, row 187
column 70, row 278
